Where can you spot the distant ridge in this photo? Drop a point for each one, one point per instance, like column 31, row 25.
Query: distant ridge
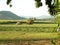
column 7, row 15
column 45, row 17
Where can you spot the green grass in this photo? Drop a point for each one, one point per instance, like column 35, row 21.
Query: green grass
column 28, row 32
column 33, row 25
column 9, row 22
column 17, row 35
column 30, row 28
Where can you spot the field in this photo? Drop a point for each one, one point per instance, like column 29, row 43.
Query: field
column 17, row 35
column 30, row 28
column 28, row 32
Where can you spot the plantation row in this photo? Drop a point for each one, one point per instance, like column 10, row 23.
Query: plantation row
column 19, row 23
column 22, row 36
column 30, row 28
column 5, row 22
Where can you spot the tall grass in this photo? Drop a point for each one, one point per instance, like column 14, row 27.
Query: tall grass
column 17, row 35
column 30, row 28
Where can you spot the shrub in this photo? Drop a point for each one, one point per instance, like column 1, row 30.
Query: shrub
column 29, row 21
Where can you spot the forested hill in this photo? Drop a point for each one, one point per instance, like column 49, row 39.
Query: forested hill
column 7, row 15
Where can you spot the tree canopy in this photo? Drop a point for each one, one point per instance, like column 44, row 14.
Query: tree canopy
column 8, row 2
column 52, row 7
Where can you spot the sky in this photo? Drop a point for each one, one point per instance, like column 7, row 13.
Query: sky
column 25, row 8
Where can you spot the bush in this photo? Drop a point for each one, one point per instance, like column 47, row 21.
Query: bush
column 29, row 21
column 58, row 20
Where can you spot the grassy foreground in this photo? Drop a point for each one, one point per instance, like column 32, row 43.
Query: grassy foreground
column 28, row 32
column 17, row 35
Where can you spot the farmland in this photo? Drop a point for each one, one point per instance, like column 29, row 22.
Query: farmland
column 28, row 32
column 35, row 31
column 17, row 35
column 30, row 28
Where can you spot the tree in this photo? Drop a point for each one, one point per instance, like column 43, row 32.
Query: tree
column 8, row 2
column 53, row 8
column 30, row 21
column 38, row 3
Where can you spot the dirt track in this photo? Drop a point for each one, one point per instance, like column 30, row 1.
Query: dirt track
column 40, row 42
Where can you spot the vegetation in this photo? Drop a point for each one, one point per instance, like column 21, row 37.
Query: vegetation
column 34, row 31
column 30, row 28
column 38, row 3
column 58, row 19
column 29, row 21
column 17, row 35
column 20, row 31
column 24, row 31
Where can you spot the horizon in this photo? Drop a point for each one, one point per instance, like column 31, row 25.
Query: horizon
column 37, row 17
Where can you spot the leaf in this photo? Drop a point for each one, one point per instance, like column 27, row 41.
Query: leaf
column 8, row 1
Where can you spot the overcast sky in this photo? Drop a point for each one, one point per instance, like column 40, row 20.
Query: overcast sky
column 24, row 8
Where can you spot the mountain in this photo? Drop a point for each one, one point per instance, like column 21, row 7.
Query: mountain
column 45, row 17
column 40, row 17
column 7, row 15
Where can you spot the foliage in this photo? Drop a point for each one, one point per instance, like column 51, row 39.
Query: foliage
column 29, row 21
column 58, row 19
column 38, row 4
column 8, row 2
column 53, row 8
column 10, row 5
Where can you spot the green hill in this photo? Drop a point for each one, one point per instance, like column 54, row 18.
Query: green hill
column 7, row 15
